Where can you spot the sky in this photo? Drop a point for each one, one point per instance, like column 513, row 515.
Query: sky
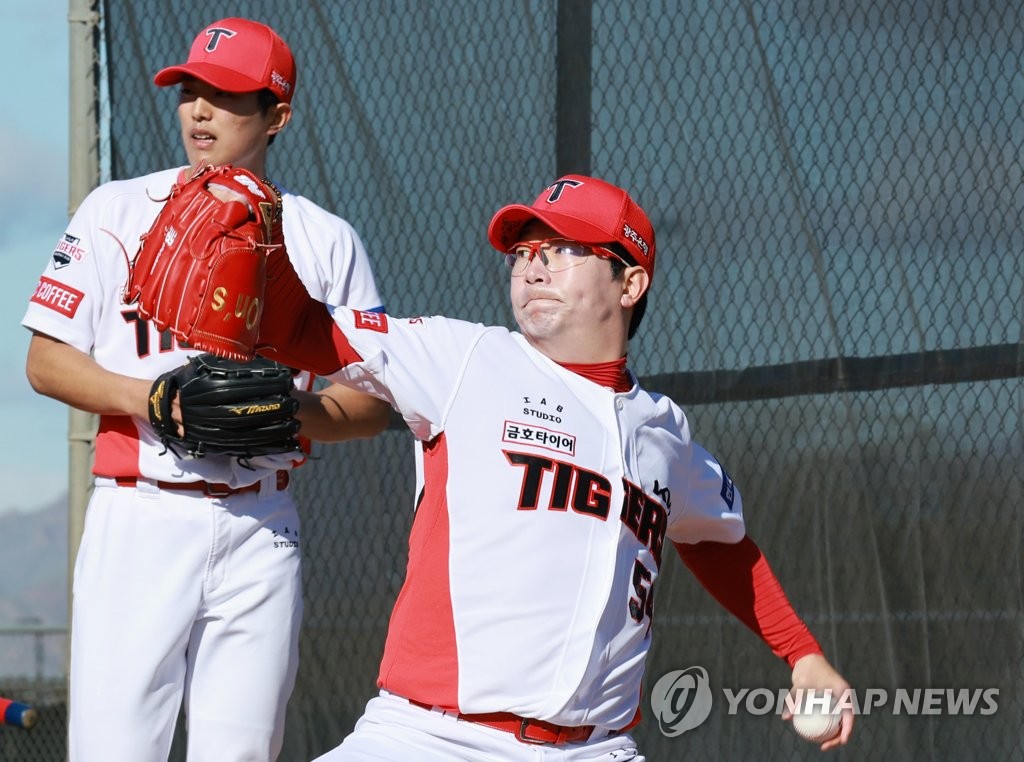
column 34, row 204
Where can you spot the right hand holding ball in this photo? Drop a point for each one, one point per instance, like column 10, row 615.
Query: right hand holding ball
column 816, row 718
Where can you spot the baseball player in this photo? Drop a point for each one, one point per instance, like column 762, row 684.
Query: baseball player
column 187, row 585
column 554, row 488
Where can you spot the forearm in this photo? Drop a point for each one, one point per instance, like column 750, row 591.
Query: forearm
column 739, row 578
column 337, row 414
column 60, row 371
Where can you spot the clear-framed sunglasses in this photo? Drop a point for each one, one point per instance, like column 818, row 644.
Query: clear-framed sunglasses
column 555, row 254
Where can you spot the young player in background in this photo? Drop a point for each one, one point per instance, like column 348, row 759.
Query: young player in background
column 183, row 589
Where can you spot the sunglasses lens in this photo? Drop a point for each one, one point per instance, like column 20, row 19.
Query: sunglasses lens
column 555, row 254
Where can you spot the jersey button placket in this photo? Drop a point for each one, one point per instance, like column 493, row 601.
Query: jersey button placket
column 627, row 441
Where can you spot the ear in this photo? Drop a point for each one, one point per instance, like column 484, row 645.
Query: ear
column 635, row 282
column 278, row 116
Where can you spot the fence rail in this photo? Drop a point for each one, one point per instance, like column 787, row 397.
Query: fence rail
column 34, row 651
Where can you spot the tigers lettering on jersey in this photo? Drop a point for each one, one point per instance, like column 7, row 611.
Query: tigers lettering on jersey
column 573, row 487
column 645, row 517
column 57, row 297
column 589, row 493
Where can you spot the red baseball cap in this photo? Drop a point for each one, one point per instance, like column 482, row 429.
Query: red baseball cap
column 583, row 209
column 237, row 56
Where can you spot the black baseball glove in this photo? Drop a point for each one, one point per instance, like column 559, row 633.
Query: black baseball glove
column 228, row 407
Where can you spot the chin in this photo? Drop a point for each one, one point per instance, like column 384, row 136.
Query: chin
column 195, row 160
column 538, row 326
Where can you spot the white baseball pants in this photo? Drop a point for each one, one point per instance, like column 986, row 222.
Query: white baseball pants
column 393, row 730
column 181, row 597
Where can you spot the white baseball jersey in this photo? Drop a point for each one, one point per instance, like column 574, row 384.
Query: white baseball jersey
column 178, row 596
column 547, row 506
column 78, row 301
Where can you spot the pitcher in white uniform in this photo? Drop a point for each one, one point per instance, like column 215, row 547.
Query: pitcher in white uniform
column 187, row 585
column 554, row 487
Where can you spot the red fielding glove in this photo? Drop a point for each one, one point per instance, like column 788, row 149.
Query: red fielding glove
column 200, row 269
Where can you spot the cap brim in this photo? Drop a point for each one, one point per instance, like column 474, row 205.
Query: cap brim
column 228, row 80
column 508, row 222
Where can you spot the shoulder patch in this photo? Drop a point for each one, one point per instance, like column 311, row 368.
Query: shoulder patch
column 728, row 489
column 57, row 297
column 371, row 321
column 68, row 250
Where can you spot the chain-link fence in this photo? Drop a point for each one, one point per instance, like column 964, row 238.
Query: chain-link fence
column 32, row 673
column 836, row 189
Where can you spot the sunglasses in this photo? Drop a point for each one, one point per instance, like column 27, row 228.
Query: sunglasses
column 555, row 254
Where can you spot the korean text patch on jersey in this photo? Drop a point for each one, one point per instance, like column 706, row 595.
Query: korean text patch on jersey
column 58, row 297
column 539, row 436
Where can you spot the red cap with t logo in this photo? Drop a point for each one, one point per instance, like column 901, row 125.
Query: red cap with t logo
column 237, row 56
column 582, row 209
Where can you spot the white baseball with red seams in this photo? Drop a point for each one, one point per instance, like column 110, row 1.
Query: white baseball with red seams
column 556, row 626
column 814, row 721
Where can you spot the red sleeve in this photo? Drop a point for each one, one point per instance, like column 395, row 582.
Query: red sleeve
column 295, row 328
column 739, row 578
column 316, row 343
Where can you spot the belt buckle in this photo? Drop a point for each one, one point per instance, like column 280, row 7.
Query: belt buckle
column 521, row 736
column 217, row 490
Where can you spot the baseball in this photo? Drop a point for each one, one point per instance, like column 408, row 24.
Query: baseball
column 814, row 722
